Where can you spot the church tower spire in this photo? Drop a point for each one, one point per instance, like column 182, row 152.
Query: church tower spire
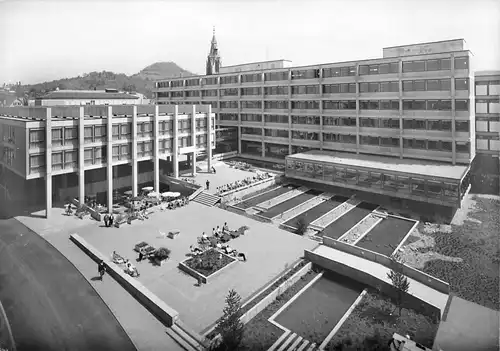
column 213, row 59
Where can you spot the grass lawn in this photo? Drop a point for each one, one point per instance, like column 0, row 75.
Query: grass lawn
column 373, row 316
column 386, row 236
column 476, row 242
column 259, row 334
column 209, row 262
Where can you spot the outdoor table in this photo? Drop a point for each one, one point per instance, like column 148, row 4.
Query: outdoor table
column 148, row 251
column 140, row 246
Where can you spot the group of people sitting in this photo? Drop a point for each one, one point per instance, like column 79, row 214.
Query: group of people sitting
column 130, row 269
column 219, row 236
column 241, row 183
column 173, row 204
column 241, row 165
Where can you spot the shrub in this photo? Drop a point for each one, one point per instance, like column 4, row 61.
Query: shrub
column 302, row 226
column 162, row 253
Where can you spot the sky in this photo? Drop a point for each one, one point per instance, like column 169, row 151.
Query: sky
column 47, row 40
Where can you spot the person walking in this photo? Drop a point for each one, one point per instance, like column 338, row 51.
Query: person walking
column 111, row 220
column 101, row 268
column 208, row 184
column 106, row 220
column 213, row 170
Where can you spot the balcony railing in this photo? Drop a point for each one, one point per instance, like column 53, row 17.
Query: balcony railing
column 37, row 144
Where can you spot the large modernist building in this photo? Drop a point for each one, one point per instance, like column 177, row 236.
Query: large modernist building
column 401, row 125
column 88, row 97
column 86, row 150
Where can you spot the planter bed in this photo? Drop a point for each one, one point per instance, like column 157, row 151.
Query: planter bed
column 265, row 196
column 204, row 272
column 259, row 333
column 385, row 237
column 372, row 316
column 338, row 228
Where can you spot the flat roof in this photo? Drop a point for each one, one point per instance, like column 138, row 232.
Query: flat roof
column 425, row 43
column 420, row 167
column 255, row 63
column 486, row 73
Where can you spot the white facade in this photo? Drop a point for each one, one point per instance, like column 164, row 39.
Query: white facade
column 255, row 66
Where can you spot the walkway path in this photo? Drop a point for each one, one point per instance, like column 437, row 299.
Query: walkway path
column 143, row 328
column 417, row 289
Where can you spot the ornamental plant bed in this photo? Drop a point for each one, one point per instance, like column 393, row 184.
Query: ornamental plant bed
column 260, row 334
column 476, row 242
column 260, row 295
column 209, row 262
column 376, row 315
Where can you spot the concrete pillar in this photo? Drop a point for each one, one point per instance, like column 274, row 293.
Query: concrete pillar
column 175, row 147
column 81, row 156
column 210, row 128
column 156, row 152
column 134, row 151
column 193, row 140
column 109, row 157
column 48, row 162
column 239, row 139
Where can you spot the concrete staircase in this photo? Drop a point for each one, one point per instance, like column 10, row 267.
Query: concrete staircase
column 184, row 340
column 206, row 199
column 292, row 342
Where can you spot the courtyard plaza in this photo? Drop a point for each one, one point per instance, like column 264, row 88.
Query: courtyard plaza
column 268, row 250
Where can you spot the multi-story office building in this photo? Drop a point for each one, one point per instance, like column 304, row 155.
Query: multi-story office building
column 401, row 125
column 85, row 150
column 486, row 167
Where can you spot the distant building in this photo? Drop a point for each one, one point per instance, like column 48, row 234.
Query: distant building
column 486, row 168
column 87, row 97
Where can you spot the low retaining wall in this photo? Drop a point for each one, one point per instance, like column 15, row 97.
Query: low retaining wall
column 410, row 272
column 382, row 286
column 266, row 301
column 184, row 267
column 223, row 156
column 248, row 189
column 167, row 315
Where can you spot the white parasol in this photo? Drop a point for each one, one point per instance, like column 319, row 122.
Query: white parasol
column 174, row 194
column 153, row 194
column 148, row 188
column 128, row 192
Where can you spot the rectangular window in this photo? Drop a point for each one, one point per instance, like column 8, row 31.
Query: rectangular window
column 368, row 122
column 461, row 83
column 276, row 76
column 389, row 104
column 462, row 62
column 57, row 137
column 461, row 105
column 389, row 86
column 439, row 105
column 462, row 146
column 462, row 126
column 373, row 87
column 363, row 87
column 389, row 123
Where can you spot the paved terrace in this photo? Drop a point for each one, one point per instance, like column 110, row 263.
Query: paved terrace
column 423, row 292
column 267, row 248
column 146, row 332
column 225, row 175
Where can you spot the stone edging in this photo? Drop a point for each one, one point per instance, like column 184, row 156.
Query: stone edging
column 204, row 279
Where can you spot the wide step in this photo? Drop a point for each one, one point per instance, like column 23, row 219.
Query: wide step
column 207, row 199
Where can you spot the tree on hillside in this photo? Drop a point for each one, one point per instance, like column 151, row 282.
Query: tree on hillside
column 399, row 282
column 229, row 325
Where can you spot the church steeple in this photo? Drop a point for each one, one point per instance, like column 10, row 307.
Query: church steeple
column 213, row 59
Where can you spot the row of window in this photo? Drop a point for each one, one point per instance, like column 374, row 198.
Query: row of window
column 429, row 105
column 487, row 106
column 312, row 73
column 491, row 87
column 415, row 186
column 365, row 87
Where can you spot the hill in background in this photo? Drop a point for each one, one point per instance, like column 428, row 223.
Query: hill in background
column 141, row 82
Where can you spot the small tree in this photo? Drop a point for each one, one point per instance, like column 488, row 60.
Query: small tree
column 229, row 325
column 399, row 282
column 302, row 226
